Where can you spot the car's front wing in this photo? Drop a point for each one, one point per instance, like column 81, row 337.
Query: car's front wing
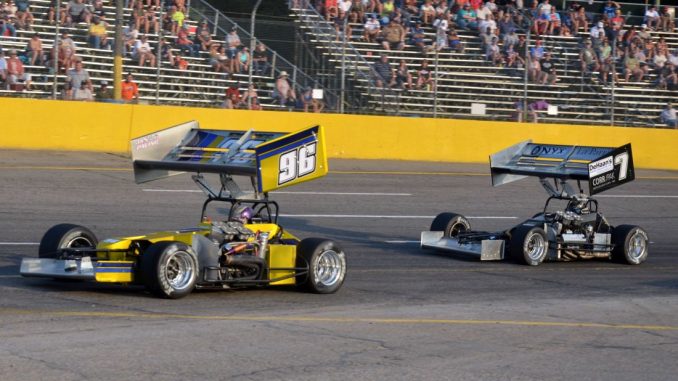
column 81, row 269
column 486, row 249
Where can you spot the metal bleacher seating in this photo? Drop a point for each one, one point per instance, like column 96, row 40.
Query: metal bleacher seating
column 199, row 85
column 467, row 78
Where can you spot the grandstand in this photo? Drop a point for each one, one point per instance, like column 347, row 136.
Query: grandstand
column 467, row 84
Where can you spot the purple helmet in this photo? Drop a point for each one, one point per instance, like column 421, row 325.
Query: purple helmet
column 243, row 214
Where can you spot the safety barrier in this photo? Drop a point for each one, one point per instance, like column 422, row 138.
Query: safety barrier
column 80, row 126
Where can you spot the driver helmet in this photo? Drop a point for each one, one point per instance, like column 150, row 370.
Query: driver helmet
column 243, row 214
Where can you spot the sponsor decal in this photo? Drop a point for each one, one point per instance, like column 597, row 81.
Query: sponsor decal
column 601, row 166
column 146, row 142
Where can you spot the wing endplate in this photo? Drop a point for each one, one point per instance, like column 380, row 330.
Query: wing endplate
column 291, row 159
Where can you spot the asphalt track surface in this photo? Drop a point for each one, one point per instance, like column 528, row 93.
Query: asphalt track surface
column 403, row 314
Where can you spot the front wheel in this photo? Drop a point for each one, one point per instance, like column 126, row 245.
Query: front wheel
column 451, row 224
column 169, row 269
column 65, row 236
column 326, row 263
column 529, row 245
column 631, row 244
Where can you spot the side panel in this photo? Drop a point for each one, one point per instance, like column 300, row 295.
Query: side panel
column 291, row 159
column 282, row 256
column 114, row 271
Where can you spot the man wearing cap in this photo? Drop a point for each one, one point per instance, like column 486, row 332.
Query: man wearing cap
column 233, row 43
column 282, row 86
column 394, row 36
column 77, row 76
column 104, row 93
column 597, row 34
column 372, row 29
column 15, row 72
column 668, row 116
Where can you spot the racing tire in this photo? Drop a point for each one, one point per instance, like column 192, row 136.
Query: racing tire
column 529, row 245
column 631, row 244
column 451, row 224
column 326, row 263
column 169, row 269
column 65, row 236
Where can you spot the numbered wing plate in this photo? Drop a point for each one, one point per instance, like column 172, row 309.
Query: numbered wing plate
column 274, row 159
column 291, row 159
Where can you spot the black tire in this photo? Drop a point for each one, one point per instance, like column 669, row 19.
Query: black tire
column 326, row 263
column 169, row 269
column 631, row 244
column 529, row 245
column 451, row 224
column 65, row 236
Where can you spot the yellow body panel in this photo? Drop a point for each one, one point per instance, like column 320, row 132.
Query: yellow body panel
column 282, row 256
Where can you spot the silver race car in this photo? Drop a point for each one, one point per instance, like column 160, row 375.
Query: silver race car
column 569, row 227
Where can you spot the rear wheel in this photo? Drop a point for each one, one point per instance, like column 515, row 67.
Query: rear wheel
column 169, row 269
column 451, row 224
column 529, row 245
column 65, row 236
column 326, row 263
column 631, row 244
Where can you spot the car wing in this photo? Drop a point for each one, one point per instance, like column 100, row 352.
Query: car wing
column 273, row 159
column 602, row 167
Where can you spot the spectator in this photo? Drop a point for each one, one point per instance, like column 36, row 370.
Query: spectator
column 514, row 62
column 76, row 12
column 24, row 17
column 607, row 62
column 251, row 99
column 616, row 24
column 233, row 44
column 84, row 93
column 97, row 8
column 17, row 78
column 166, row 51
column 588, row 58
column 143, row 52
column 131, row 34
column 203, row 38
column 667, row 19
column 7, row 26
column 668, row 116
column 441, row 25
column 578, row 18
column 652, row 18
column 78, row 76
column 260, row 60
column 548, row 70
column 632, row 67
column 284, row 91
column 394, row 36
column 138, row 15
column 427, row 12
column 129, row 90
column 104, row 93
column 493, row 53
column 177, row 17
column 403, row 78
column 466, row 18
column 537, row 51
column 597, row 34
column 242, row 61
column 180, row 63
column 610, row 9
column 341, row 22
column 425, row 77
column 150, row 20
column 454, row 42
column 184, row 44
column 214, row 59
column 372, row 29
column 233, row 99
column 555, row 23
column 34, row 51
column 506, row 26
column 52, row 12
column 3, row 68
column 533, row 107
column 331, row 7
column 511, row 40
column 98, row 38
column 383, row 75
column 357, row 12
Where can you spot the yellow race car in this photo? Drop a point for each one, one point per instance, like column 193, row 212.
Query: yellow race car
column 247, row 248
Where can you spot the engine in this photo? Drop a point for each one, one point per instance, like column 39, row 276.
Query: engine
column 241, row 253
column 576, row 229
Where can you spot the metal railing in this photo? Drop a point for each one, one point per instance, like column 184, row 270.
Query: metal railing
column 221, row 24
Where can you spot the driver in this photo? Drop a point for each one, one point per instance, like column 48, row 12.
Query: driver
column 243, row 214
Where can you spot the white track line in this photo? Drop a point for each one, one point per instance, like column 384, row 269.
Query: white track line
column 19, row 243
column 389, row 216
column 288, row 192
column 400, row 241
column 635, row 196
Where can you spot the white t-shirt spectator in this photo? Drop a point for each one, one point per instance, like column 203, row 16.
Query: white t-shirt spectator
column 651, row 14
column 344, row 5
column 482, row 12
column 3, row 65
column 142, row 47
column 372, row 25
column 492, row 6
column 597, row 32
column 544, row 8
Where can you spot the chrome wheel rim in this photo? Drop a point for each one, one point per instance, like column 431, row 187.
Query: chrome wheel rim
column 457, row 228
column 179, row 270
column 637, row 245
column 329, row 268
column 535, row 246
column 79, row 241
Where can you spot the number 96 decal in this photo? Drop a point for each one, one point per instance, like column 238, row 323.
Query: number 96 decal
column 297, row 163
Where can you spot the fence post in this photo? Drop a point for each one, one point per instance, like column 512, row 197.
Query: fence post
column 55, row 50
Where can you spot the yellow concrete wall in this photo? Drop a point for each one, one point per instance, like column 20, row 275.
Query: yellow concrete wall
column 61, row 125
